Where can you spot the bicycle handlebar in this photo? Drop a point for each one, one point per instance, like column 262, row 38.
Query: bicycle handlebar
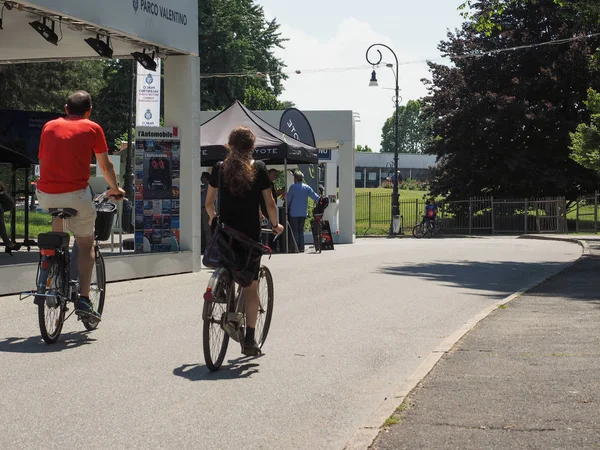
column 103, row 198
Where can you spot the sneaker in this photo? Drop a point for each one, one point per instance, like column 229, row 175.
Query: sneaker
column 251, row 349
column 86, row 309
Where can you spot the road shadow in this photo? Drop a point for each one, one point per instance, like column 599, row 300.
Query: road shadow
column 35, row 344
column 580, row 282
column 237, row 368
column 501, row 278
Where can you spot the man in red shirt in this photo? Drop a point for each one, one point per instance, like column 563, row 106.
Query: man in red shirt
column 66, row 149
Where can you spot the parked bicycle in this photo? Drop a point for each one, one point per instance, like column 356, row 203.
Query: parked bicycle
column 427, row 228
column 317, row 224
column 224, row 314
column 57, row 277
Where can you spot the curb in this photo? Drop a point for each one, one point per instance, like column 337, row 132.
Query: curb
column 584, row 245
column 364, row 437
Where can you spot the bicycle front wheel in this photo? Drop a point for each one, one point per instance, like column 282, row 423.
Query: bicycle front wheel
column 97, row 290
column 419, row 230
column 214, row 338
column 51, row 308
column 266, row 298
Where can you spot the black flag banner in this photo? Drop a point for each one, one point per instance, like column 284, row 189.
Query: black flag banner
column 294, row 123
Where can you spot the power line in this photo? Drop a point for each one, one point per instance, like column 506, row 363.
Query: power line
column 402, row 63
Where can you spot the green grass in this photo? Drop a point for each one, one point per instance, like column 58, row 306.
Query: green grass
column 380, row 212
column 38, row 223
column 391, row 421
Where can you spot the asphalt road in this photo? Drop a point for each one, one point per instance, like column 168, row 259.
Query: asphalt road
column 349, row 326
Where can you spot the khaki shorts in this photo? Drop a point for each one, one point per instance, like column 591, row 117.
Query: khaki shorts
column 82, row 225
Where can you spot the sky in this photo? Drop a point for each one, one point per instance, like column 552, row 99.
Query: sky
column 334, row 34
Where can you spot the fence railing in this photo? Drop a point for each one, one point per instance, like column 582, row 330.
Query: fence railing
column 585, row 211
column 485, row 215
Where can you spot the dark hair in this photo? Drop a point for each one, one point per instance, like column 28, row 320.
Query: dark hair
column 238, row 171
column 79, row 103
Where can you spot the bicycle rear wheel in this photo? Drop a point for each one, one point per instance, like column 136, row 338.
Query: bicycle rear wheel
column 214, row 338
column 51, row 310
column 319, row 240
column 266, row 298
column 419, row 230
column 97, row 290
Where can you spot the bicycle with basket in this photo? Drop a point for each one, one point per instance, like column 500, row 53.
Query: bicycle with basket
column 57, row 280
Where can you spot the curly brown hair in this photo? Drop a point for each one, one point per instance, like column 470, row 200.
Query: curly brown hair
column 238, row 171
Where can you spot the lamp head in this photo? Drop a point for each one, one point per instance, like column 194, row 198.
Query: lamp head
column 145, row 60
column 99, row 46
column 373, row 82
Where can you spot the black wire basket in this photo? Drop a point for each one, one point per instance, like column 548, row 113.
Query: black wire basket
column 105, row 217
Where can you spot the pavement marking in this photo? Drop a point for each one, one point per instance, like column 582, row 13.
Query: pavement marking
column 364, row 437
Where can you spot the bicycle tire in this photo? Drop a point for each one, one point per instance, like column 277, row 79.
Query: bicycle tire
column 429, row 231
column 212, row 316
column 418, row 231
column 99, row 289
column 319, row 238
column 46, row 313
column 265, row 307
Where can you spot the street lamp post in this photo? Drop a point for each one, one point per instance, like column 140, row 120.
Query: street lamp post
column 395, row 225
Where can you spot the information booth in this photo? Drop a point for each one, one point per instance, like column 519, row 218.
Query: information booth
column 61, row 30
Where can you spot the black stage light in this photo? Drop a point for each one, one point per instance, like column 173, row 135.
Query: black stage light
column 145, row 60
column 102, row 48
column 45, row 31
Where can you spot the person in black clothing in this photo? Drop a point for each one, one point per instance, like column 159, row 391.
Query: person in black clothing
column 206, row 231
column 244, row 183
column 9, row 246
column 273, row 175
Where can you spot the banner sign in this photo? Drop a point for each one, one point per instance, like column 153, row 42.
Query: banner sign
column 21, row 130
column 148, row 96
column 157, row 169
column 324, row 154
column 294, row 123
column 166, row 23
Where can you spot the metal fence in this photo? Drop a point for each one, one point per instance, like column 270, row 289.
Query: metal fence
column 585, row 212
column 485, row 215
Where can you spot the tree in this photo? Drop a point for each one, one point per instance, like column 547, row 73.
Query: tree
column 585, row 148
column 111, row 108
column 502, row 120
column 365, row 149
column 45, row 86
column 237, row 39
column 486, row 20
column 259, row 99
column 412, row 130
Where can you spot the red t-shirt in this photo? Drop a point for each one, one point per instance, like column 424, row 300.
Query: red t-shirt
column 66, row 147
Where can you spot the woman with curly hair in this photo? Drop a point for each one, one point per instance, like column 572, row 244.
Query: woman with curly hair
column 245, row 184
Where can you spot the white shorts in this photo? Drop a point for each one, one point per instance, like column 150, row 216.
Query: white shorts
column 82, row 225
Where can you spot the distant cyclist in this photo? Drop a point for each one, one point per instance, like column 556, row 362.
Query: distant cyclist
column 67, row 145
column 431, row 211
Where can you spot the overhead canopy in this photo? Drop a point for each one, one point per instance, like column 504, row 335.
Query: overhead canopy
column 170, row 27
column 18, row 160
column 272, row 146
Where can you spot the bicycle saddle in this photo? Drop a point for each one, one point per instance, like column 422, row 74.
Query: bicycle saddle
column 63, row 213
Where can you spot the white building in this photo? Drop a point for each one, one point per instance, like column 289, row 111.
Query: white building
column 372, row 168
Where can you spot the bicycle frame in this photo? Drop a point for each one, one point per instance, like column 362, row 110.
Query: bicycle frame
column 235, row 321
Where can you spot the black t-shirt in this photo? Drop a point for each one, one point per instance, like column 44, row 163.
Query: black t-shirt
column 263, row 205
column 241, row 212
